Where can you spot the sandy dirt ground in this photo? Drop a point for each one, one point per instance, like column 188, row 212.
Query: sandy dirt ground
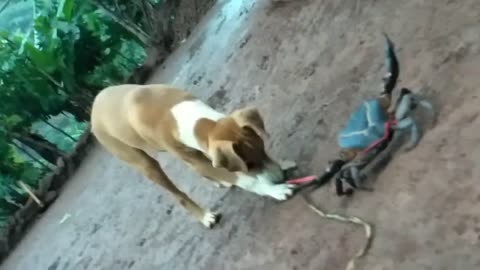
column 305, row 64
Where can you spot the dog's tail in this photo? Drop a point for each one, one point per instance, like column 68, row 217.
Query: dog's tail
column 391, row 65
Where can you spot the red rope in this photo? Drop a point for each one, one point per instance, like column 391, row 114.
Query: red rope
column 387, row 127
column 302, row 180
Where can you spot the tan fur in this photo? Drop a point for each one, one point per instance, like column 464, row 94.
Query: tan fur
column 131, row 120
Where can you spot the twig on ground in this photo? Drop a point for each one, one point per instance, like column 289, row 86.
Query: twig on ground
column 347, row 219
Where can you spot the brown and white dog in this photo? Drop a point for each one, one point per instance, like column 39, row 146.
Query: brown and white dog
column 131, row 120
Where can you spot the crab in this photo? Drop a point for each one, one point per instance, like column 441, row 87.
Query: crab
column 372, row 126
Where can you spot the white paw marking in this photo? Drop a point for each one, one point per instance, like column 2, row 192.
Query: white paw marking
column 263, row 183
column 280, row 192
column 226, row 184
column 223, row 184
column 209, row 219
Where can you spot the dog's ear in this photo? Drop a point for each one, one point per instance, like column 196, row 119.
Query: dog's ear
column 250, row 118
column 224, row 155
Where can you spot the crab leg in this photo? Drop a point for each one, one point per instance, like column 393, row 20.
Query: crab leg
column 391, row 64
column 404, row 106
column 425, row 104
column 414, row 136
column 357, row 176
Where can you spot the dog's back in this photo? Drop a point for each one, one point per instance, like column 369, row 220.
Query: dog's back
column 133, row 114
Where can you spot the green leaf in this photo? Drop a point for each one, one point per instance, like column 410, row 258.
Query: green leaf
column 42, row 58
column 12, row 120
column 65, row 9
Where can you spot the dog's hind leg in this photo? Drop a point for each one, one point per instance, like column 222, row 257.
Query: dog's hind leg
column 151, row 169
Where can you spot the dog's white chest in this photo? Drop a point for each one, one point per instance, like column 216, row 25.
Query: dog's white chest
column 186, row 114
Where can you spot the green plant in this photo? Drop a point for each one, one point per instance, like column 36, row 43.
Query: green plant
column 50, row 71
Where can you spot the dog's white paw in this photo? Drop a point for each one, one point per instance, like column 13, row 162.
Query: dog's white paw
column 280, row 192
column 210, row 219
column 226, row 184
column 222, row 184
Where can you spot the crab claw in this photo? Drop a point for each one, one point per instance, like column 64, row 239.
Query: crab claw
column 391, row 64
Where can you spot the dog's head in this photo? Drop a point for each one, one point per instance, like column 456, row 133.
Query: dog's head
column 236, row 142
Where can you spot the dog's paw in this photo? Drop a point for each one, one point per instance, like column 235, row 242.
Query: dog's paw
column 226, row 184
column 222, row 184
column 210, row 219
column 281, row 192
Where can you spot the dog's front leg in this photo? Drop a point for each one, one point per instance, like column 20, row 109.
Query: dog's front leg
column 198, row 162
column 267, row 181
column 151, row 169
column 263, row 185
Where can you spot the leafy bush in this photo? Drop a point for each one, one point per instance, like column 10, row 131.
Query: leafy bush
column 51, row 68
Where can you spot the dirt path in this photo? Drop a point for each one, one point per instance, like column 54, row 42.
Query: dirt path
column 304, row 63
